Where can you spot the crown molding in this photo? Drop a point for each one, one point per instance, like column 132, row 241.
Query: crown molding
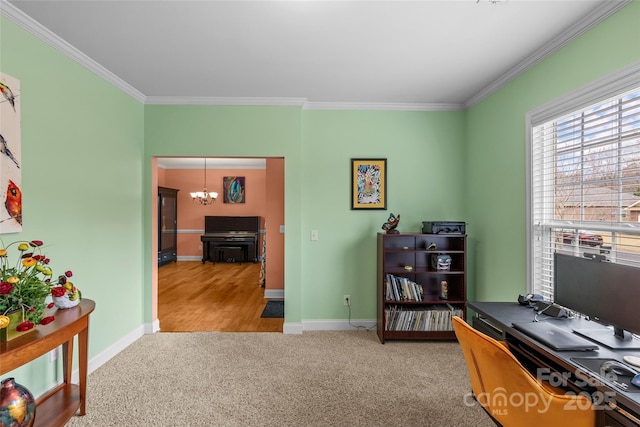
column 297, row 102
column 589, row 21
column 380, row 106
column 595, row 17
column 29, row 24
column 622, row 80
column 228, row 101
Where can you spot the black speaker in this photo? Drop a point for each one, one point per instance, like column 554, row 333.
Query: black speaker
column 443, row 227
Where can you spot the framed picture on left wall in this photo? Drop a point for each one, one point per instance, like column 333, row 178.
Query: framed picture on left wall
column 369, row 184
column 10, row 156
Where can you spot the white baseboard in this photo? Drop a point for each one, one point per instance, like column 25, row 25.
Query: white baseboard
column 103, row 357
column 152, row 328
column 274, row 293
column 199, row 258
column 327, row 325
column 292, row 328
column 337, row 325
column 189, row 258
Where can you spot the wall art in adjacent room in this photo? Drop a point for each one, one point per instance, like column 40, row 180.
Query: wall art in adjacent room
column 234, row 189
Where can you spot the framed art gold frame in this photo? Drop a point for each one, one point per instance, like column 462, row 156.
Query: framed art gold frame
column 369, row 184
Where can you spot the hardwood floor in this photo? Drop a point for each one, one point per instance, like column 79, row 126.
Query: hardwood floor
column 212, row 297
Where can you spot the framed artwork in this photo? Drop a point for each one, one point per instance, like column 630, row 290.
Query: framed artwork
column 369, row 184
column 10, row 156
column 233, row 189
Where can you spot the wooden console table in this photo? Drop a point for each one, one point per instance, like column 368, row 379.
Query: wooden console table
column 59, row 404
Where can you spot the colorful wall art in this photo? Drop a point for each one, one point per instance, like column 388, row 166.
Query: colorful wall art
column 10, row 156
column 368, row 183
column 233, row 189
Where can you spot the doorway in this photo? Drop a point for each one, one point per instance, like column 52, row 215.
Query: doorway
column 192, row 295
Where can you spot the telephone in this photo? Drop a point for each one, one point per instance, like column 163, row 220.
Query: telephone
column 529, row 299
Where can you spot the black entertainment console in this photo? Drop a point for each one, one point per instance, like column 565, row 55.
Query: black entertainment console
column 619, row 405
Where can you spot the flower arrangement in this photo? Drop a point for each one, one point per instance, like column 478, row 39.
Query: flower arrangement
column 26, row 284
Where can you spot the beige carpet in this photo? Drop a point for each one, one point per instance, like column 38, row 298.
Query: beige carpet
column 328, row 378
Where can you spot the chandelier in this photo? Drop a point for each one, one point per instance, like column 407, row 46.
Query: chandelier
column 204, row 197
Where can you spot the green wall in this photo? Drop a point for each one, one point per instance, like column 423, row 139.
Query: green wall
column 495, row 147
column 82, row 151
column 231, row 131
column 317, row 147
column 87, row 150
column 425, row 179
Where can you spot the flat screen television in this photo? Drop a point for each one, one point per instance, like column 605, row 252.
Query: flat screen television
column 606, row 292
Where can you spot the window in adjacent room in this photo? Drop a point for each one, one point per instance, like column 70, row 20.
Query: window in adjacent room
column 584, row 182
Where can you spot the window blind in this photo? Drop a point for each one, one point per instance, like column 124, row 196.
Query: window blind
column 585, row 186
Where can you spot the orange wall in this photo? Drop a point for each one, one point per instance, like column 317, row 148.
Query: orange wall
column 191, row 215
column 264, row 196
column 275, row 218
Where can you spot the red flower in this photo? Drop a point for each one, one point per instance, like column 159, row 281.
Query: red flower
column 68, row 273
column 47, row 320
column 5, row 288
column 36, row 243
column 62, row 280
column 58, row 291
column 32, row 309
column 50, row 305
column 24, row 326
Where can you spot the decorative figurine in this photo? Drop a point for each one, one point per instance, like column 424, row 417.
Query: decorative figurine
column 444, row 290
column 441, row 262
column 391, row 224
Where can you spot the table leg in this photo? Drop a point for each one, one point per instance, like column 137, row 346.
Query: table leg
column 83, row 350
column 67, row 360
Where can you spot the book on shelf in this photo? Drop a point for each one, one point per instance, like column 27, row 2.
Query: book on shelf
column 428, row 318
column 398, row 288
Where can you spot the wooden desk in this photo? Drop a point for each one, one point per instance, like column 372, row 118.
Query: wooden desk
column 58, row 405
column 620, row 408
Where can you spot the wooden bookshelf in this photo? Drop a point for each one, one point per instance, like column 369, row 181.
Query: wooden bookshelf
column 409, row 285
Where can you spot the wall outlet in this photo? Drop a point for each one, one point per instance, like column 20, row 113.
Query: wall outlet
column 346, row 299
column 199, row 247
column 314, row 234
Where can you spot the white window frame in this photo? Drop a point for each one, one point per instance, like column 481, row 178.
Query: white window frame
column 539, row 238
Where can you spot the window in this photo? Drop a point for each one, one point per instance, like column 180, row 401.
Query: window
column 584, row 179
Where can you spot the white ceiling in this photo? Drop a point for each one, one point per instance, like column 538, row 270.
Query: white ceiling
column 420, row 54
column 411, row 55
